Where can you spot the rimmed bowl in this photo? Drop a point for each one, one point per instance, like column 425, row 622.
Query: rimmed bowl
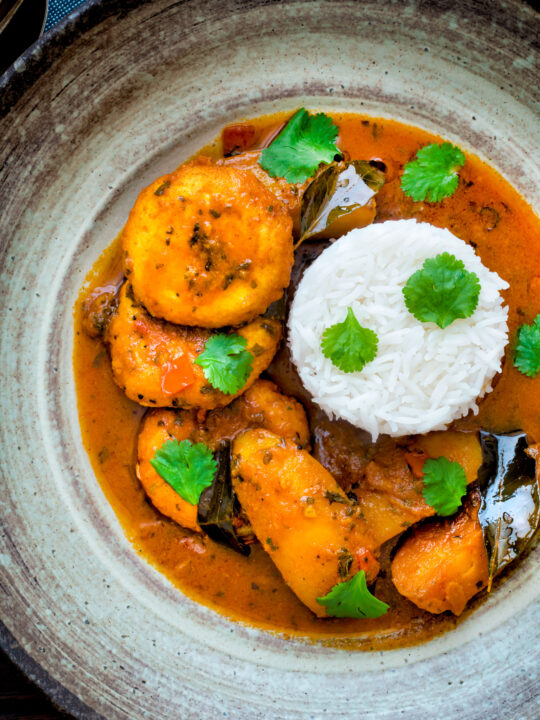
column 119, row 93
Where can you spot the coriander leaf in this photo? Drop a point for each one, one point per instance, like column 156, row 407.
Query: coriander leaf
column 433, row 175
column 527, row 359
column 225, row 362
column 510, row 511
column 442, row 291
column 352, row 599
column 349, row 345
column 445, row 483
column 304, row 143
column 188, row 468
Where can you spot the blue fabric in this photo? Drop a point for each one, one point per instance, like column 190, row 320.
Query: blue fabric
column 57, row 10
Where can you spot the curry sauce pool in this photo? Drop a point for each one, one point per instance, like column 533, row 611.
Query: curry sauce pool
column 486, row 212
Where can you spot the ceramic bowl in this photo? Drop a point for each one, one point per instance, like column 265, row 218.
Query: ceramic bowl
column 119, row 93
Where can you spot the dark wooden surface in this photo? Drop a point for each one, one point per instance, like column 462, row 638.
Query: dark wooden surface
column 20, row 699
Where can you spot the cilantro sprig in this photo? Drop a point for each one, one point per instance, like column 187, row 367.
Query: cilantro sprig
column 445, row 483
column 352, row 599
column 433, row 175
column 527, row 358
column 349, row 345
column 188, row 468
column 442, row 291
column 304, row 143
column 225, row 362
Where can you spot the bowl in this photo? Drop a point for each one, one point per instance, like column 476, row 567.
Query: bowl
column 116, row 95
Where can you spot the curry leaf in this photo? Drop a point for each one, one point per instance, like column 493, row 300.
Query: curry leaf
column 218, row 506
column 336, row 191
column 510, row 510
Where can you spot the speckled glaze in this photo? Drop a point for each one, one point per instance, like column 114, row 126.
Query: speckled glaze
column 122, row 91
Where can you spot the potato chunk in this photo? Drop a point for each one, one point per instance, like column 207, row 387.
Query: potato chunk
column 443, row 564
column 153, row 360
column 208, row 246
column 261, row 406
column 390, row 493
column 157, row 428
column 313, row 533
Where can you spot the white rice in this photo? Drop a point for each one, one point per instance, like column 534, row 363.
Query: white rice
column 422, row 377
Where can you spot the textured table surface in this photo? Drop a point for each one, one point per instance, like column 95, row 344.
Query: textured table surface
column 20, row 699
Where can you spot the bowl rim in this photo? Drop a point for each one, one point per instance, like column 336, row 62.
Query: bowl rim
column 14, row 83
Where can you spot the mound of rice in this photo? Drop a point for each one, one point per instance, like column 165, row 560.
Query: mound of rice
column 422, row 377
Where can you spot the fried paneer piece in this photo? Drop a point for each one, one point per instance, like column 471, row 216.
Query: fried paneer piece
column 289, row 194
column 261, row 406
column 313, row 533
column 153, row 360
column 444, row 563
column 390, row 492
column 159, row 426
column 208, row 246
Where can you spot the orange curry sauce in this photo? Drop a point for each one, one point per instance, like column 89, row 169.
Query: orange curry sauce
column 485, row 211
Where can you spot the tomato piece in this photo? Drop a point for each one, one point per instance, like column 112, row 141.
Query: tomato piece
column 177, row 374
column 268, row 137
column 237, row 138
column 415, row 460
column 141, row 327
column 366, row 561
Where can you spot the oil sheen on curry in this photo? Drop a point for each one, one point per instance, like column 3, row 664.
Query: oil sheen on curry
column 308, row 375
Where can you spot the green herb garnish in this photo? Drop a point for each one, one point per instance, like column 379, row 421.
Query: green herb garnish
column 188, row 468
column 349, row 345
column 305, row 142
column 164, row 186
column 527, row 359
column 345, row 561
column 433, row 174
column 225, row 362
column 334, row 497
column 442, row 291
column 352, row 599
column 445, row 483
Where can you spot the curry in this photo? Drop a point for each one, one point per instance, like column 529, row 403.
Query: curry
column 330, row 454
